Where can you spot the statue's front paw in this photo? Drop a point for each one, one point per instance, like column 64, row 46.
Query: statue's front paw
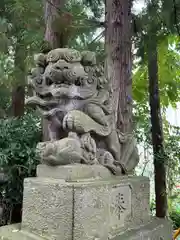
column 88, row 143
column 89, row 148
column 72, row 122
column 69, row 122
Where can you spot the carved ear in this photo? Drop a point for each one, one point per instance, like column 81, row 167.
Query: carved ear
column 88, row 58
column 102, row 81
column 40, row 59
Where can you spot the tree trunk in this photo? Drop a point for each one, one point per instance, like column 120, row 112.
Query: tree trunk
column 52, row 11
column 119, row 60
column 18, row 91
column 18, row 101
column 18, row 95
column 157, row 132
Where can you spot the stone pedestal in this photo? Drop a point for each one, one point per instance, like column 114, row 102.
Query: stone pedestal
column 86, row 205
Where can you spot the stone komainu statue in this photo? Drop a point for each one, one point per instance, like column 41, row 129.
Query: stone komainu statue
column 73, row 94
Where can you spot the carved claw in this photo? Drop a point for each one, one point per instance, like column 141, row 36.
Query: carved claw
column 68, row 122
column 72, row 122
column 88, row 143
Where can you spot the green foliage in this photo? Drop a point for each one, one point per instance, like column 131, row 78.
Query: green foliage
column 158, row 22
column 18, row 139
column 172, row 147
column 152, row 207
column 84, row 27
column 96, row 6
column 171, row 14
column 23, row 20
column 83, row 24
column 175, row 217
column 174, row 209
column 142, row 121
column 174, row 212
column 6, row 68
column 169, row 74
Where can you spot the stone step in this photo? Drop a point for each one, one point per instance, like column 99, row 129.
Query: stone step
column 14, row 232
column 157, row 229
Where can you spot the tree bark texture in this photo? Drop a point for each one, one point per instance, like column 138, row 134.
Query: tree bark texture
column 52, row 11
column 18, row 102
column 119, row 60
column 157, row 132
column 18, row 91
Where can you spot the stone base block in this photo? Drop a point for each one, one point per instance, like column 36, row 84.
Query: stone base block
column 89, row 209
column 155, row 230
column 73, row 172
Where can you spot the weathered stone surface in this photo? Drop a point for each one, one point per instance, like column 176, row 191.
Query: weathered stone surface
column 84, row 209
column 140, row 202
column 14, row 232
column 73, row 172
column 121, row 209
column 157, row 229
column 91, row 211
column 47, row 208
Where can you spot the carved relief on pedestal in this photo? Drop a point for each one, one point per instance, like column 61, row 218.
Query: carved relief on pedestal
column 120, row 208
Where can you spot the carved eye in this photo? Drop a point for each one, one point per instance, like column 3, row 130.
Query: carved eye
column 58, row 68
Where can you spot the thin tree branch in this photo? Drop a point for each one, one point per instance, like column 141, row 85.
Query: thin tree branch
column 97, row 38
column 100, row 24
column 58, row 9
column 96, row 23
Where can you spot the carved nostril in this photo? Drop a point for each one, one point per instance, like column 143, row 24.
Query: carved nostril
column 78, row 81
column 48, row 81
